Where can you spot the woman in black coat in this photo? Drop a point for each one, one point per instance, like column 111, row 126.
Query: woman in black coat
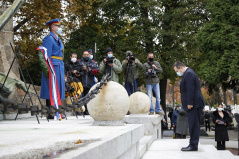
column 221, row 118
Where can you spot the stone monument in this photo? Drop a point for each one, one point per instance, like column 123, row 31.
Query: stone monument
column 110, row 106
column 139, row 103
column 6, row 54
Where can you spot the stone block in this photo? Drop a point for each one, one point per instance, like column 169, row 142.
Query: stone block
column 152, row 123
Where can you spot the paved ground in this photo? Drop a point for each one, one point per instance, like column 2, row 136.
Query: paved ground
column 25, row 138
column 171, row 149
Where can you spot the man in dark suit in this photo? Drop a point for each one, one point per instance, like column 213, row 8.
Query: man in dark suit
column 192, row 102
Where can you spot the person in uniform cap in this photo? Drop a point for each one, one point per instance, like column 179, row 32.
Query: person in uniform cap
column 54, row 46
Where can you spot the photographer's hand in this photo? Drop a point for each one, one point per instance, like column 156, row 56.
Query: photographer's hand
column 149, row 70
column 75, row 71
column 105, row 60
column 85, row 68
column 154, row 66
column 126, row 61
column 112, row 64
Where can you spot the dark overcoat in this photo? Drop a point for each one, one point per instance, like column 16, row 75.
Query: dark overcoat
column 182, row 122
column 221, row 133
column 190, row 90
column 54, row 47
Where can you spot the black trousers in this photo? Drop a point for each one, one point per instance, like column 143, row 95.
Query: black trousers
column 207, row 125
column 85, row 92
column 194, row 115
column 221, row 145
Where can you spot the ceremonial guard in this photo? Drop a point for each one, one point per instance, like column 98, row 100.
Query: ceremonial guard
column 54, row 47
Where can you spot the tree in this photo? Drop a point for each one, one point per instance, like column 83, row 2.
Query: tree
column 29, row 29
column 219, row 43
column 181, row 20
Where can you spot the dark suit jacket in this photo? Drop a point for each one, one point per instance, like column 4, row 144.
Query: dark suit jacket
column 190, row 90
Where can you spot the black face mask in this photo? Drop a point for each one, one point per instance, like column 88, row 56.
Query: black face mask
column 86, row 58
column 151, row 59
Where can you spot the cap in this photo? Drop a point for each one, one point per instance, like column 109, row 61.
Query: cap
column 53, row 22
column 90, row 51
column 108, row 50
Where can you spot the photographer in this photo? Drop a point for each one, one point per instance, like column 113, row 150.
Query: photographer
column 72, row 68
column 111, row 65
column 151, row 69
column 88, row 69
column 73, row 91
column 130, row 67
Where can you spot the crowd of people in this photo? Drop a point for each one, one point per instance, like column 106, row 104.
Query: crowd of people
column 75, row 78
column 83, row 72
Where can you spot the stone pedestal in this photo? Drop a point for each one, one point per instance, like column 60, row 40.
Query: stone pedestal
column 152, row 123
column 6, row 54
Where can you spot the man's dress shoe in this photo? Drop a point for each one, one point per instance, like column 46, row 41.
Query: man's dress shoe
column 189, row 149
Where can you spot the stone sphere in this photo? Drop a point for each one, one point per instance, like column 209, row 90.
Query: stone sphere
column 112, row 103
column 139, row 103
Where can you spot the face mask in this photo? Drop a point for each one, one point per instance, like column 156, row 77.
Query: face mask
column 110, row 55
column 86, row 58
column 91, row 57
column 179, row 73
column 59, row 31
column 73, row 59
column 151, row 59
column 220, row 109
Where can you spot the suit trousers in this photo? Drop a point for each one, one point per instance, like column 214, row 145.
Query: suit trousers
column 194, row 115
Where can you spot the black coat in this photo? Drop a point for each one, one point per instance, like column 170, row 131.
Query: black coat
column 70, row 67
column 190, row 90
column 182, row 122
column 221, row 133
column 207, row 116
column 87, row 78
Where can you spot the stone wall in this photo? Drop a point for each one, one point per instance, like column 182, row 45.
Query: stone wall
column 6, row 54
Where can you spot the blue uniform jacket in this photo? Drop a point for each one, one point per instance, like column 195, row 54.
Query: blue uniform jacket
column 190, row 90
column 54, row 47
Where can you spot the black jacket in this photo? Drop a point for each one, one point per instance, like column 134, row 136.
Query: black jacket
column 87, row 78
column 221, row 133
column 70, row 67
column 190, row 90
column 207, row 116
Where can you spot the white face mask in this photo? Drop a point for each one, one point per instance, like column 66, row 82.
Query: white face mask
column 110, row 55
column 220, row 109
column 91, row 57
column 73, row 59
column 59, row 31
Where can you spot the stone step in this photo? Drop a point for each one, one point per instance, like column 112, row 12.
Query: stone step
column 144, row 144
column 171, row 148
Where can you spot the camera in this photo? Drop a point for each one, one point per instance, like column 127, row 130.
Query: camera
column 131, row 58
column 153, row 73
column 110, row 60
column 69, row 88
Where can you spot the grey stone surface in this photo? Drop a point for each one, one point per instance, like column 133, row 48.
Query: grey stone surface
column 152, row 123
column 27, row 139
column 6, row 57
column 108, row 123
column 171, row 148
